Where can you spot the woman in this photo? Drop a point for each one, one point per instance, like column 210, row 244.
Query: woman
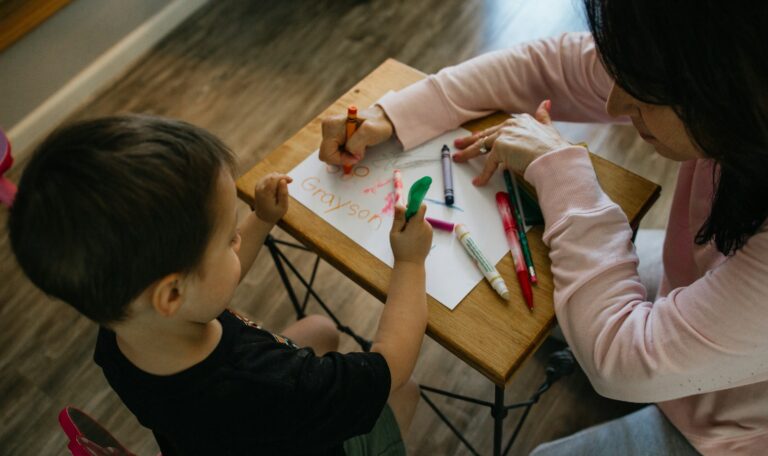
column 693, row 80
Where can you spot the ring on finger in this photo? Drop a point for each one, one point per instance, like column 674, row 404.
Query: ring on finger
column 483, row 148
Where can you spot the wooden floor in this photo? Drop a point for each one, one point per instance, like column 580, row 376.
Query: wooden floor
column 254, row 73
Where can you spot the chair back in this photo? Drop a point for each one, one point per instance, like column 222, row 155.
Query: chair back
column 7, row 188
column 87, row 437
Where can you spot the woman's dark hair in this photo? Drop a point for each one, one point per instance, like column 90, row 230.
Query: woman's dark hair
column 106, row 207
column 707, row 60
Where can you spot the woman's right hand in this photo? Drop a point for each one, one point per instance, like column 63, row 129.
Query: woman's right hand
column 374, row 128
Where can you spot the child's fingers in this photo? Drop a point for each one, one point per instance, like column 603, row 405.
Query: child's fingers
column 258, row 189
column 263, row 184
column 282, row 193
column 270, row 184
column 418, row 217
column 399, row 221
column 280, row 176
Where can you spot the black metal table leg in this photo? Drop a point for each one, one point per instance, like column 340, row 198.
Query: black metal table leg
column 498, row 412
column 274, row 251
column 559, row 364
column 280, row 261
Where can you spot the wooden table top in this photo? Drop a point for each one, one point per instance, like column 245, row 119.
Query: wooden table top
column 492, row 336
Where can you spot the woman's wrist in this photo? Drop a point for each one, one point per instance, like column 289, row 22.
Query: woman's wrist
column 379, row 113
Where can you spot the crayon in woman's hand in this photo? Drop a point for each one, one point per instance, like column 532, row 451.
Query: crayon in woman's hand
column 351, row 125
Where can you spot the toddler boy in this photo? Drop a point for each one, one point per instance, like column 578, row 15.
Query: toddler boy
column 132, row 220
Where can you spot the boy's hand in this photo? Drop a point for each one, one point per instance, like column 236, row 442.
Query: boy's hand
column 271, row 197
column 412, row 241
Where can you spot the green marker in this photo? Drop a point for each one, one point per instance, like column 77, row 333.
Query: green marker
column 530, row 208
column 509, row 180
column 416, row 195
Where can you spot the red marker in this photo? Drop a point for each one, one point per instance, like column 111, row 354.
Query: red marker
column 510, row 228
column 351, row 125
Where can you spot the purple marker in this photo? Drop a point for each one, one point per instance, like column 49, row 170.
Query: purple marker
column 440, row 224
column 445, row 156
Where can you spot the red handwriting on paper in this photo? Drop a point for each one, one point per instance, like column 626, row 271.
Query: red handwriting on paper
column 337, row 203
column 389, row 206
column 378, row 185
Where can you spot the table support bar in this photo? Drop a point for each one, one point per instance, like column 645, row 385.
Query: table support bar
column 280, row 261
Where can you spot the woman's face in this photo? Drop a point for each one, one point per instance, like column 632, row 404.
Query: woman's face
column 658, row 125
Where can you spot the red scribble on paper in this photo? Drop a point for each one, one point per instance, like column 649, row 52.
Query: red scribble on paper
column 378, row 185
column 389, row 207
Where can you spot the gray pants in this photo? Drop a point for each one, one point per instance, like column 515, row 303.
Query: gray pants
column 644, row 432
column 647, row 431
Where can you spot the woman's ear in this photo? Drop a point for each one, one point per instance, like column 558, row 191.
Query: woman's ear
column 166, row 295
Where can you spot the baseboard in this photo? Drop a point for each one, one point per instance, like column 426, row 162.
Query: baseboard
column 103, row 71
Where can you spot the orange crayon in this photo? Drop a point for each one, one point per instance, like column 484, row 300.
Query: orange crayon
column 351, row 128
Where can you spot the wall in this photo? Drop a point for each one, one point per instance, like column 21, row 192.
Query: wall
column 57, row 66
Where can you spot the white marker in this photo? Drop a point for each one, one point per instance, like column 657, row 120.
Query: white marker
column 489, row 271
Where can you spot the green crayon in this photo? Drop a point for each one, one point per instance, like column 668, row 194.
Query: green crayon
column 416, row 195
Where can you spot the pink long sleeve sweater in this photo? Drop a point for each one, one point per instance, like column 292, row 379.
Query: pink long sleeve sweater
column 700, row 351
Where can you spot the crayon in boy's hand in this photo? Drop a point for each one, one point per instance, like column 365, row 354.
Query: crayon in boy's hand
column 416, row 195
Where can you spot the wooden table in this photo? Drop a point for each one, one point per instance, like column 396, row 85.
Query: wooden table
column 492, row 336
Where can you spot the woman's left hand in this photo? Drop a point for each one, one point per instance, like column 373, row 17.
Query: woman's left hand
column 515, row 143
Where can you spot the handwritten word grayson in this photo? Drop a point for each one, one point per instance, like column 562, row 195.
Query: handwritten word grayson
column 335, row 203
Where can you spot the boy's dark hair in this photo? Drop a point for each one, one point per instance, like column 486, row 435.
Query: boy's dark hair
column 707, row 60
column 106, row 207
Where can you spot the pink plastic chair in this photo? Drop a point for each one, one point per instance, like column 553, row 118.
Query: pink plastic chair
column 87, row 437
column 7, row 188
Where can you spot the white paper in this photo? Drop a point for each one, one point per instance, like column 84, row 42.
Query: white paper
column 360, row 206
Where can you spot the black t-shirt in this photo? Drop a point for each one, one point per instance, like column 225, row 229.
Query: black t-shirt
column 256, row 393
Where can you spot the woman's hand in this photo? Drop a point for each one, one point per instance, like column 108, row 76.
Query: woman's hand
column 374, row 128
column 271, row 197
column 515, row 143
